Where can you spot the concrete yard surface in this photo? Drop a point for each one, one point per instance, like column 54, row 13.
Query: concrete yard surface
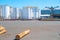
column 40, row 30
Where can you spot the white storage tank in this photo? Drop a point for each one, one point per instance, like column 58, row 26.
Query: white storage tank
column 5, row 11
column 27, row 13
column 30, row 12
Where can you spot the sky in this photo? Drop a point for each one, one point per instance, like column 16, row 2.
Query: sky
column 39, row 3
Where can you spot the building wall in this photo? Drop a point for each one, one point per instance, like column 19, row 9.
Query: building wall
column 45, row 11
column 50, row 13
column 57, row 11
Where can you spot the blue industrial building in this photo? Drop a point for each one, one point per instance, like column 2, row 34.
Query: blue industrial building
column 54, row 14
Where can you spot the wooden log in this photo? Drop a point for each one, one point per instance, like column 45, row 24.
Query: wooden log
column 21, row 35
column 2, row 30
